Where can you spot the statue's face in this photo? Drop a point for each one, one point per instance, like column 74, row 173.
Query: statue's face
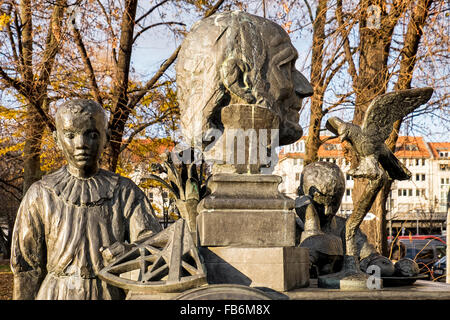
column 82, row 139
column 288, row 86
column 239, row 58
column 325, row 183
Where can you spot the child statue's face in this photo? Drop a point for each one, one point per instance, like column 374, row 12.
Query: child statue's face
column 82, row 138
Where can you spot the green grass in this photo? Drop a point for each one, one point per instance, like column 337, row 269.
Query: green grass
column 5, row 268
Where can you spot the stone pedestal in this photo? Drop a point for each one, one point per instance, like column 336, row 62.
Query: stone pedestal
column 246, row 210
column 276, row 268
column 245, row 226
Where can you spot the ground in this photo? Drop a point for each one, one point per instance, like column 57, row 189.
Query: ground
column 6, row 281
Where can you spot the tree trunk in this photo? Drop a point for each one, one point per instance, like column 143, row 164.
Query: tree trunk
column 376, row 230
column 313, row 140
column 372, row 82
column 120, row 110
column 32, row 150
column 37, row 91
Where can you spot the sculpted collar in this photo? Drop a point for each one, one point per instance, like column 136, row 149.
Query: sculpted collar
column 82, row 192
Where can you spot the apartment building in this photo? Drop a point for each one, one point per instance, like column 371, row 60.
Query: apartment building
column 415, row 205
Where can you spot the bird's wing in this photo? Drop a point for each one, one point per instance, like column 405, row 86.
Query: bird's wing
column 390, row 107
column 394, row 167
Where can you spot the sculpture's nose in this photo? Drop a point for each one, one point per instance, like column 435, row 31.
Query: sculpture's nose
column 328, row 210
column 80, row 141
column 302, row 86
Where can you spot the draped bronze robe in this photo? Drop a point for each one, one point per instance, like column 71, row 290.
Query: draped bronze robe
column 62, row 223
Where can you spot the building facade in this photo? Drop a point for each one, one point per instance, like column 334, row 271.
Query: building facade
column 418, row 205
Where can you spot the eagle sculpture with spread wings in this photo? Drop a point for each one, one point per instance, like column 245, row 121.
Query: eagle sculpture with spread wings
column 368, row 140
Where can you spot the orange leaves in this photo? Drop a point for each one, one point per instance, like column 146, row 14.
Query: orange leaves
column 4, row 20
column 285, row 16
column 12, row 148
column 287, row 26
column 286, row 7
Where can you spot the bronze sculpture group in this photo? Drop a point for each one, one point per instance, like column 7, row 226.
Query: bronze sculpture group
column 82, row 221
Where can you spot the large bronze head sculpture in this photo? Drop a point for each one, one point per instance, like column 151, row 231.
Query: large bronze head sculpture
column 238, row 58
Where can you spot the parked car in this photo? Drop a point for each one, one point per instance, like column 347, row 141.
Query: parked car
column 440, row 268
column 426, row 250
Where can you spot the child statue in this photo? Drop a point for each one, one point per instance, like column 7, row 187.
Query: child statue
column 73, row 220
column 322, row 185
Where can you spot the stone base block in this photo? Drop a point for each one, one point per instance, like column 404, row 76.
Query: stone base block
column 261, row 228
column 276, row 268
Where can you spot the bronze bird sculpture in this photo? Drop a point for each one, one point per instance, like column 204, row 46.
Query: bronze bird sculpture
column 368, row 140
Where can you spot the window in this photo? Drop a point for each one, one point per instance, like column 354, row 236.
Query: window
column 420, row 177
column 411, row 147
column 150, row 196
column 417, row 162
column 302, row 146
column 407, row 147
column 297, row 176
column 444, row 167
column 329, row 146
column 164, row 195
column 423, row 162
column 420, row 192
column 405, row 192
column 348, row 192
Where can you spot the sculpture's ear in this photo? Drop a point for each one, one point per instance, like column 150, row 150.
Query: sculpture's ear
column 55, row 138
column 235, row 77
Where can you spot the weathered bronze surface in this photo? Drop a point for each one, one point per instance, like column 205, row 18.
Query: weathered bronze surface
column 166, row 262
column 322, row 186
column 375, row 159
column 238, row 58
column 68, row 218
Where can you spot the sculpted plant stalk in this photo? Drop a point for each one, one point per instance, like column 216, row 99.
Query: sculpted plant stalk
column 186, row 183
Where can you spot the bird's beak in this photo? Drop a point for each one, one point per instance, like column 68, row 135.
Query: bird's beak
column 344, row 136
column 338, row 127
column 333, row 125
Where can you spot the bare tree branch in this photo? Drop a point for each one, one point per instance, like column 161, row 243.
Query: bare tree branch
column 155, row 25
column 140, row 128
column 347, row 50
column 150, row 11
column 311, row 16
column 87, row 63
column 16, row 84
column 141, row 93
